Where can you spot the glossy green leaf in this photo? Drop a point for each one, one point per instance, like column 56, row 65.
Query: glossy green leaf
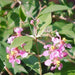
column 7, row 33
column 64, row 28
column 22, row 13
column 20, row 40
column 45, row 20
column 1, row 65
column 53, row 8
column 2, row 52
column 19, row 68
column 32, row 62
column 13, row 18
column 5, row 2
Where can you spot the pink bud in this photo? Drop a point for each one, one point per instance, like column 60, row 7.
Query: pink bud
column 64, row 54
column 48, row 62
column 38, row 20
column 32, row 22
column 60, row 67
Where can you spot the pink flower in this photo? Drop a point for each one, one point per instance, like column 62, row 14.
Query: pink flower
column 10, row 39
column 18, row 30
column 56, row 51
column 14, row 53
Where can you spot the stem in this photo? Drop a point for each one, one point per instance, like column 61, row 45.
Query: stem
column 38, row 57
column 70, row 55
column 8, row 70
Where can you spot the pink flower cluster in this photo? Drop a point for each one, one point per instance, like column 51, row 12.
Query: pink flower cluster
column 14, row 53
column 56, row 52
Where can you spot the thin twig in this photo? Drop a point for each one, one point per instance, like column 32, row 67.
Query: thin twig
column 40, row 9
column 9, row 72
column 73, row 7
column 40, row 42
column 71, row 61
column 64, row 18
column 29, row 13
column 70, row 55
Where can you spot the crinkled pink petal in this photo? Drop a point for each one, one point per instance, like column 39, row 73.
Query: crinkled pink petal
column 55, row 40
column 47, row 46
column 65, row 54
column 68, row 45
column 18, row 61
column 60, row 67
column 23, row 54
column 61, row 47
column 54, row 54
column 48, row 62
column 53, row 68
column 10, row 39
column 18, row 30
column 57, row 34
column 45, row 53
column 7, row 49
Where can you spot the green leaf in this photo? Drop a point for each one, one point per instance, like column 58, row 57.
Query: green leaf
column 31, row 6
column 1, row 65
column 20, row 40
column 64, row 28
column 19, row 68
column 28, row 45
column 53, row 8
column 7, row 33
column 2, row 52
column 32, row 62
column 4, row 2
column 45, row 20
column 22, row 13
column 48, row 74
column 13, row 18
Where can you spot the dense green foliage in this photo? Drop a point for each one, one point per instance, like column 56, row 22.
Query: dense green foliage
column 52, row 17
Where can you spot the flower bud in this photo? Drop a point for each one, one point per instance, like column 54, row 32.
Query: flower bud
column 32, row 22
